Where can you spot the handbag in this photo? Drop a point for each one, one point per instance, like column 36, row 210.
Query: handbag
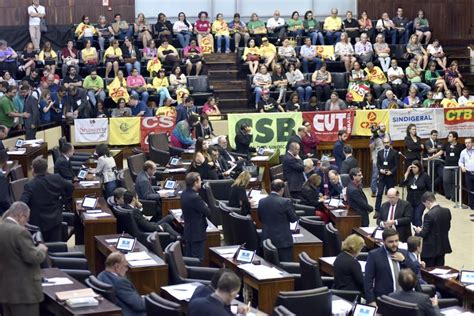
column 252, row 57
column 301, row 83
column 195, row 58
column 408, row 56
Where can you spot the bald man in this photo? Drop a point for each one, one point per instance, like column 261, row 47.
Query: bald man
column 396, row 213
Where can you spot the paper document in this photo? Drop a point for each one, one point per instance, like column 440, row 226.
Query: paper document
column 88, row 183
column 227, row 252
column 175, row 170
column 341, row 307
column 16, row 152
column 369, row 230
column 33, row 141
column 470, row 287
column 182, row 292
column 142, row 263
column 440, row 271
column 335, row 203
column 56, row 281
column 329, row 260
column 139, row 255
column 297, row 236
column 97, row 215
column 362, row 265
column 261, row 272
column 111, row 241
column 260, row 158
column 449, row 275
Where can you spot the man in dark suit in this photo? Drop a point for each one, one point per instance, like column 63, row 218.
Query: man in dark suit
column 433, row 145
column 293, row 170
column 224, row 152
column 338, row 149
column 195, row 213
column 184, row 111
column 387, row 164
column 243, row 139
column 407, row 280
column 350, row 161
column 323, row 171
column 128, row 299
column 396, row 213
column 276, row 213
column 32, row 119
column 63, row 166
column 5, row 197
column 298, row 138
column 356, row 196
column 383, row 266
column 339, row 182
column 20, row 284
column 45, row 194
column 435, row 231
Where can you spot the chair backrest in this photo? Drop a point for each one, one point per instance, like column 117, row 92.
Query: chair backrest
column 276, row 172
column 174, row 257
column 220, row 188
column 102, row 288
column 333, row 240
column 159, row 141
column 126, row 223
column 270, row 252
column 155, row 244
column 309, row 269
column 317, row 228
column 282, row 311
column 388, row 306
column 156, row 305
column 227, row 228
column 68, row 263
column 135, row 164
column 126, row 180
column 159, row 156
column 212, row 203
column 305, row 303
column 17, row 188
column 16, row 173
column 198, row 83
column 244, row 231
column 340, row 80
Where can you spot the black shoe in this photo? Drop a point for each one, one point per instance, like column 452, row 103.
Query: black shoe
column 376, row 215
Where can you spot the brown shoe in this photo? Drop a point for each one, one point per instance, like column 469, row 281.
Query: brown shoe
column 374, row 194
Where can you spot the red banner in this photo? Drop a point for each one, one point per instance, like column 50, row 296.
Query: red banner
column 454, row 116
column 327, row 124
column 153, row 125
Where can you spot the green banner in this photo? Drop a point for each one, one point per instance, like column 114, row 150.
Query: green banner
column 268, row 129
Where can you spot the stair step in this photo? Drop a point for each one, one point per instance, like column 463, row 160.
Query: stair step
column 228, row 105
column 222, row 66
column 223, row 74
column 227, row 84
column 230, row 93
column 230, row 57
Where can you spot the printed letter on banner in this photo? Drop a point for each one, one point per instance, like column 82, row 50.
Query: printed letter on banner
column 460, row 120
column 424, row 119
column 328, row 124
column 91, row 130
column 155, row 125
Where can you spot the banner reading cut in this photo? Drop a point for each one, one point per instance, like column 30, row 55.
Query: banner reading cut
column 364, row 119
column 460, row 120
column 154, row 125
column 91, row 130
column 271, row 130
column 328, row 124
column 124, row 130
column 424, row 119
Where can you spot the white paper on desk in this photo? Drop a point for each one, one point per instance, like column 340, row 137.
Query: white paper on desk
column 297, row 235
column 33, row 141
column 111, row 241
column 454, row 310
column 261, row 272
column 369, row 230
column 440, row 271
column 57, row 281
column 466, row 314
column 362, row 265
column 143, row 263
column 470, row 287
column 182, row 292
column 168, row 192
column 340, row 307
column 176, row 212
column 259, row 158
column 329, row 260
column 227, row 252
column 449, row 275
column 16, row 152
column 139, row 255
column 88, row 183
column 97, row 215
column 176, row 170
column 335, row 203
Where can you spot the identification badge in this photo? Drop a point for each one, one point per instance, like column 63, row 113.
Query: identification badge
column 451, row 154
column 326, row 186
column 413, row 187
column 385, row 163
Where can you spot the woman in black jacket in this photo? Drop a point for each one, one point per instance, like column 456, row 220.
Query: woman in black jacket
column 238, row 193
column 414, row 145
column 347, row 270
column 310, row 196
column 417, row 183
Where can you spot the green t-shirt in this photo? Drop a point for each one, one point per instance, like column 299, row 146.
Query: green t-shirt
column 91, row 84
column 295, row 24
column 255, row 24
column 311, row 25
column 427, row 103
column 6, row 106
column 410, row 72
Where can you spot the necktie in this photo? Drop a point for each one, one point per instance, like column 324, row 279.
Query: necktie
column 391, row 216
column 385, row 154
column 396, row 272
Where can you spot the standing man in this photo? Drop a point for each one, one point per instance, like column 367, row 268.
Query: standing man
column 45, row 194
column 63, row 166
column 195, row 213
column 466, row 163
column 186, row 110
column 243, row 139
column 435, row 231
column 36, row 13
column 356, row 196
column 396, row 213
column 5, row 196
column 338, row 149
column 383, row 267
column 387, row 164
column 293, row 170
column 350, row 161
column 32, row 119
column 375, row 145
column 20, row 282
column 9, row 117
column 276, row 213
column 433, row 146
column 298, row 138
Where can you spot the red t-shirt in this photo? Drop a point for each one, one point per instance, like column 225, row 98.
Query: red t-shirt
column 202, row 26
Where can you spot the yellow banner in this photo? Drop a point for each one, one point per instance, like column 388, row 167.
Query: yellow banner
column 325, row 51
column 364, row 119
column 124, row 131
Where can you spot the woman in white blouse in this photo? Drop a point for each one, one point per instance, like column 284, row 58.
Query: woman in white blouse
column 183, row 30
column 345, row 52
column 106, row 168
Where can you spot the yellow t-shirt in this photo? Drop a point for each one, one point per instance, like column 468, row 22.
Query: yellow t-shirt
column 170, row 47
column 449, row 103
column 159, row 83
column 251, row 50
column 220, row 28
column 267, row 50
column 376, row 75
column 112, row 51
column 88, row 54
column 331, row 23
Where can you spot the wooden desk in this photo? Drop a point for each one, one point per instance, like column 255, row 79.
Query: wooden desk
column 173, row 202
column 80, row 190
column 146, row 279
column 269, row 161
column 86, row 227
column 326, row 265
column 370, row 242
column 309, row 243
column 268, row 289
column 26, row 159
column 451, row 286
column 181, row 175
column 92, row 162
column 345, row 222
column 50, row 303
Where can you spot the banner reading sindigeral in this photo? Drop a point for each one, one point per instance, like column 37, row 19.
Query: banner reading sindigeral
column 268, row 129
column 327, row 124
column 91, row 130
column 423, row 118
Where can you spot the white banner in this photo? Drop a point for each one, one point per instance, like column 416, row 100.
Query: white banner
column 424, row 119
column 91, row 130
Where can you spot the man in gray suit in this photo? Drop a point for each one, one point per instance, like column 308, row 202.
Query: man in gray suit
column 407, row 280
column 20, row 282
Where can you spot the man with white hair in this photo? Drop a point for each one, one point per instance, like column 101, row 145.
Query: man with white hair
column 276, row 25
column 308, row 168
column 20, row 284
column 298, row 138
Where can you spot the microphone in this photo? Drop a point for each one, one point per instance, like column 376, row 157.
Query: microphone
column 400, row 153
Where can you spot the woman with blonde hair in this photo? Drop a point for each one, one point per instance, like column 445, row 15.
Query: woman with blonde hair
column 238, row 193
column 347, row 270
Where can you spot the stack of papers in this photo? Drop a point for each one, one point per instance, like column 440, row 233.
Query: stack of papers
column 111, row 241
column 16, row 152
column 227, row 252
column 262, row 272
column 33, row 141
column 341, row 307
column 96, row 215
column 260, row 158
column 177, row 213
column 175, row 170
column 88, row 183
column 440, row 271
column 328, row 260
column 182, row 292
column 56, row 281
column 140, row 259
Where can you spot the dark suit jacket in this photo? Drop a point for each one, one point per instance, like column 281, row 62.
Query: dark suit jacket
column 225, row 154
column 276, row 213
column 195, row 211
column 128, row 299
column 423, row 184
column 336, row 189
column 44, row 194
column 182, row 112
column 20, row 265
column 5, row 197
column 293, row 172
column 429, row 145
column 338, row 153
column 144, row 188
column 403, row 214
column 378, row 279
column 296, row 139
column 358, row 202
column 435, row 232
column 242, row 143
column 63, row 167
column 422, row 300
column 143, row 224
column 206, row 306
column 414, row 150
column 310, row 195
column 391, row 163
column 348, row 164
column 348, row 273
column 31, row 106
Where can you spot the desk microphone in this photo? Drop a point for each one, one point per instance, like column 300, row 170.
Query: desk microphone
column 400, row 153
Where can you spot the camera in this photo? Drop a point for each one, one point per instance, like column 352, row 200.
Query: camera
column 374, row 128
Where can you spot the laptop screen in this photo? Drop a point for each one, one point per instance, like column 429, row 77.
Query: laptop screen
column 125, row 244
column 245, row 255
column 364, row 310
column 467, row 277
column 89, row 202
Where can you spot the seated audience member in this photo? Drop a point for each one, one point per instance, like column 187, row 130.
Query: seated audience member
column 466, row 99
column 112, row 58
column 311, row 196
column 333, row 27
column 391, row 101
column 454, row 78
column 142, row 30
column 168, row 54
column 396, row 77
column 128, row 299
column 139, row 108
column 268, row 104
column 178, row 84
column 69, row 57
column 436, row 53
column 5, row 199
column 131, row 56
column 321, row 81
column 186, row 110
column 293, row 168
column 356, row 196
column 382, row 52
column 181, row 135
column 202, row 162
column 218, row 302
column 339, row 183
column 407, row 281
column 308, row 54
column 377, row 80
column 238, row 193
column 117, row 198
column 251, row 56
column 202, row 29
column 293, row 104
column 120, row 28
column 94, row 85
column 268, row 53
column 434, row 78
column 363, row 49
column 138, row 85
column 144, row 188
column 412, row 100
column 256, row 28
column 430, row 102
column 402, row 25
column 276, row 25
column 210, row 107
column 334, row 103
column 365, row 25
column 183, row 30
column 312, row 28
column 416, row 50
column 422, row 27
column 222, row 168
column 345, row 52
column 297, row 81
column 369, row 102
column 204, row 129
column 386, row 27
column 347, row 271
column 161, row 84
column 351, row 27
column 28, row 59
column 104, row 31
column 413, row 73
column 193, row 58
column 287, row 54
column 85, row 31
column 221, row 32
column 63, row 166
column 48, row 57
column 449, row 101
column 262, row 81
column 163, row 27
column 73, row 79
column 238, row 29
column 130, row 202
column 8, row 59
column 295, row 27
column 121, row 110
